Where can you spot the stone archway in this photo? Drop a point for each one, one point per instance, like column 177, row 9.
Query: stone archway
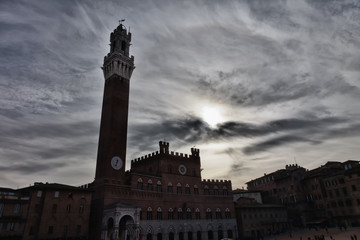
column 127, row 228
column 110, row 229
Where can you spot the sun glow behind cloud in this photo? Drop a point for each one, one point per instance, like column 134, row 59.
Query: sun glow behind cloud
column 211, row 115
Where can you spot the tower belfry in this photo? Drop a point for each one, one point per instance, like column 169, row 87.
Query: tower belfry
column 117, row 68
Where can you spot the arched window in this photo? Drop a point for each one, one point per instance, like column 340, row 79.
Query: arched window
column 197, row 213
column 198, row 235
column 227, row 213
column 210, row 235
column 218, row 213
column 196, row 190
column 188, row 214
column 187, row 189
column 180, row 214
column 123, row 46
column 229, row 233
column 216, row 190
column 225, row 191
column 171, row 214
column 158, row 187
column 208, row 214
column 170, row 188
column 206, row 190
column 159, row 214
column 140, row 184
column 149, row 214
column 149, row 185
column 190, row 235
column 178, row 188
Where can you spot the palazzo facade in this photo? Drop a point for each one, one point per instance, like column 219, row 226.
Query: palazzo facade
column 162, row 196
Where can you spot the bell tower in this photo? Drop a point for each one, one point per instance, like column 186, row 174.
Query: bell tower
column 118, row 67
column 110, row 165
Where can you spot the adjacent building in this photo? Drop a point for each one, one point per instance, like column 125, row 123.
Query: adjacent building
column 325, row 196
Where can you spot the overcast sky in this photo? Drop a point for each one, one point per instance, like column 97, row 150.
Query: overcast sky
column 280, row 78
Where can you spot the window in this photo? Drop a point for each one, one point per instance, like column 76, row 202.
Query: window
column 149, row 214
column 348, row 202
column 180, row 214
column 81, row 209
column 65, row 230
column 78, row 229
column 170, row 188
column 206, row 190
column 158, row 187
column 178, row 188
column 170, row 214
column 169, row 169
column 68, row 207
column 159, row 214
column 50, row 229
column 56, row 195
column 187, row 189
column 197, row 213
column 341, row 203
column 334, row 182
column 210, row 235
column 140, row 184
column 149, row 185
column 216, row 190
column 225, row 191
column 12, row 227
column 353, row 188
column 218, row 214
column 1, row 208
column 16, row 208
column 229, row 233
column 337, row 193
column 227, row 213
column 54, row 208
column 208, row 214
column 39, row 193
column 188, row 214
column 196, row 190
column 344, row 191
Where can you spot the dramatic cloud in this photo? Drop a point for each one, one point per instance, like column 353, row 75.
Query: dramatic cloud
column 284, row 75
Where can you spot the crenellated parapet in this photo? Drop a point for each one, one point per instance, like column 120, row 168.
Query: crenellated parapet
column 195, row 152
column 164, row 147
column 144, row 158
column 215, row 181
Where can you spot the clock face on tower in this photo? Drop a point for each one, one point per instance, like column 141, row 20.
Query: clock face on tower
column 116, row 163
column 182, row 169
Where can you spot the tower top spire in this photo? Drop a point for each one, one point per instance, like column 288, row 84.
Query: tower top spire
column 118, row 60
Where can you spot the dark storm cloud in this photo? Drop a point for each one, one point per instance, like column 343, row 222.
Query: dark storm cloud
column 276, row 142
column 193, row 130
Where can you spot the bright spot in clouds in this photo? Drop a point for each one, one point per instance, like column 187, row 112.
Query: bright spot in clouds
column 211, row 115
